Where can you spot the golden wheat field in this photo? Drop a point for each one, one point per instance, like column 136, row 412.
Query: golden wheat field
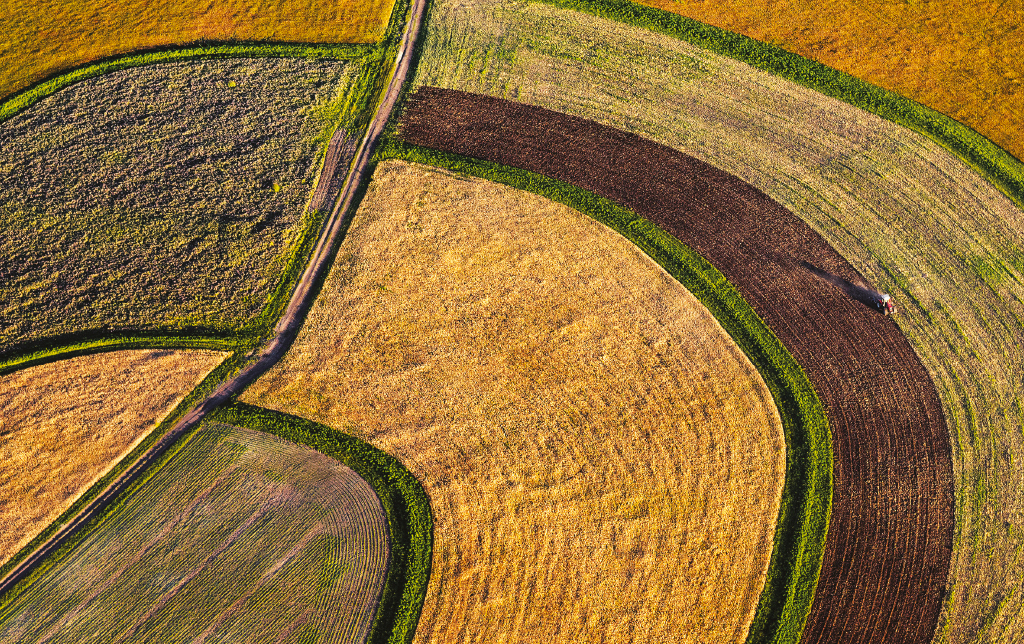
column 42, row 37
column 603, row 462
column 960, row 58
column 64, row 424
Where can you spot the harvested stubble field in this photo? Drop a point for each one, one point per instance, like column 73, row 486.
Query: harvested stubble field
column 889, row 541
column 43, row 37
column 241, row 536
column 603, row 463
column 63, row 424
column 168, row 196
column 907, row 215
column 960, row 58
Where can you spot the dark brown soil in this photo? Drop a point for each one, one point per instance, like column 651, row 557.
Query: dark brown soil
column 888, row 549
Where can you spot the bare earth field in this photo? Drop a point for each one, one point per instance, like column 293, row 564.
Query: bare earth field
column 960, row 58
column 910, row 218
column 888, row 547
column 43, row 37
column 64, row 424
column 603, row 463
column 240, row 537
column 159, row 197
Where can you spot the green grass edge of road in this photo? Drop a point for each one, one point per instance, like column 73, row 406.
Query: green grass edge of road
column 230, row 366
column 806, row 505
column 998, row 166
column 406, row 504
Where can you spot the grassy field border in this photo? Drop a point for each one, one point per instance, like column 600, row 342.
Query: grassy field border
column 406, row 504
column 806, row 505
column 995, row 164
column 231, row 365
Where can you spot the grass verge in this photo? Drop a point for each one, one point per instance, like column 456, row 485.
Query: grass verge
column 406, row 505
column 997, row 165
column 225, row 370
column 807, row 493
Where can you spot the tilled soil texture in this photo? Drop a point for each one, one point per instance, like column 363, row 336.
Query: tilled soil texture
column 889, row 544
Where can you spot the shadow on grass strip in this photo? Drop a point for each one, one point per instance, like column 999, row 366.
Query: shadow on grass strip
column 222, row 372
column 998, row 166
column 410, row 523
column 807, row 493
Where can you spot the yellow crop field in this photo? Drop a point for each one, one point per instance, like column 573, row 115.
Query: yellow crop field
column 64, row 424
column 603, row 462
column 960, row 58
column 42, row 37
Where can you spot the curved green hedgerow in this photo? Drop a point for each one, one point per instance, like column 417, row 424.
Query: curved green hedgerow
column 807, row 493
column 232, row 365
column 28, row 97
column 410, row 523
column 997, row 165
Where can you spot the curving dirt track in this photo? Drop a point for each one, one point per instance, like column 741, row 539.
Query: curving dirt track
column 888, row 549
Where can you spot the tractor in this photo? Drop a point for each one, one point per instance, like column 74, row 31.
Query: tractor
column 884, row 304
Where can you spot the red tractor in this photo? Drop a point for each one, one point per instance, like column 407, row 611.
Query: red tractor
column 884, row 304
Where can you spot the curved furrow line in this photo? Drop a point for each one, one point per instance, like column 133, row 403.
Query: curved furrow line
column 888, row 549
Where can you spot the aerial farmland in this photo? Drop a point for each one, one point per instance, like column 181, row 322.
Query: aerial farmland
column 394, row 321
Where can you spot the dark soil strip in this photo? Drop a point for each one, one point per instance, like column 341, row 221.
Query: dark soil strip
column 888, row 549
column 340, row 151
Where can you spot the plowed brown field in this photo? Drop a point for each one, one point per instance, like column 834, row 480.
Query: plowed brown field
column 889, row 545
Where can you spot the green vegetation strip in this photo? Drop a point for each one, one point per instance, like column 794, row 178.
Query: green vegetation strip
column 41, row 90
column 997, row 165
column 410, row 525
column 224, row 371
column 807, row 494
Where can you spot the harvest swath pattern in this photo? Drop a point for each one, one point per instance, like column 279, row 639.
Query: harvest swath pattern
column 889, row 544
column 908, row 215
column 63, row 424
column 602, row 460
column 239, row 536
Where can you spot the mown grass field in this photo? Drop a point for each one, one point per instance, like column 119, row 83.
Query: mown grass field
column 163, row 197
column 602, row 460
column 240, row 536
column 908, row 216
column 43, row 37
column 961, row 59
column 63, row 424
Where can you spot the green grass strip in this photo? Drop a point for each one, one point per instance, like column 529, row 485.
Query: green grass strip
column 807, row 493
column 28, row 97
column 997, row 165
column 410, row 523
column 232, row 365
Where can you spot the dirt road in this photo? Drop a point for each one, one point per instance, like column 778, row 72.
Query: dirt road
column 287, row 327
column 889, row 544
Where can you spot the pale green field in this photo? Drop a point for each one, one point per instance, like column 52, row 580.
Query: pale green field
column 240, row 537
column 912, row 219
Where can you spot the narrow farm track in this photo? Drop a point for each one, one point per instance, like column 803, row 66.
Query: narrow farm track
column 287, row 327
column 889, row 545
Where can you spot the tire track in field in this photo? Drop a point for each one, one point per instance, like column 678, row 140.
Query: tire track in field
column 889, row 545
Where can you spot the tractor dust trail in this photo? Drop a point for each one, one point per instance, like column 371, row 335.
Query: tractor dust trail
column 866, row 296
column 286, row 329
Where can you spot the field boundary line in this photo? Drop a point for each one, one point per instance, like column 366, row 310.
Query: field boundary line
column 405, row 502
column 996, row 165
column 22, row 568
column 235, row 373
column 805, row 510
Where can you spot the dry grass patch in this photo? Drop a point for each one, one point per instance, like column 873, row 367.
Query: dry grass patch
column 908, row 216
column 603, row 462
column 42, row 37
column 241, row 536
column 63, row 424
column 960, row 58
